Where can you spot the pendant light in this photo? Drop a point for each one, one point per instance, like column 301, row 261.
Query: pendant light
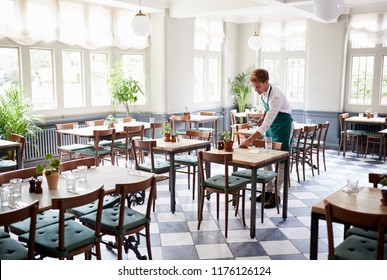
column 141, row 23
column 328, row 10
column 255, row 42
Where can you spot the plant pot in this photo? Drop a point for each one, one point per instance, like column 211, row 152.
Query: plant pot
column 173, row 138
column 228, row 146
column 52, row 180
column 384, row 197
column 167, row 137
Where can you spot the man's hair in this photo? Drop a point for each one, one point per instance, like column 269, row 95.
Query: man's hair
column 259, row 75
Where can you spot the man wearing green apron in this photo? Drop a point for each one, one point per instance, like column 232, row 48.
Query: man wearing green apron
column 276, row 122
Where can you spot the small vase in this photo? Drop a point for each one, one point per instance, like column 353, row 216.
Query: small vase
column 384, row 197
column 52, row 180
column 220, row 145
column 228, row 146
column 167, row 137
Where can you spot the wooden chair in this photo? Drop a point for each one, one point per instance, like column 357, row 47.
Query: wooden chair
column 355, row 136
column 11, row 164
column 100, row 153
column 71, row 145
column 355, row 247
column 210, row 129
column 43, row 219
column 373, row 138
column 154, row 128
column 221, row 184
column 124, row 120
column 294, row 150
column 68, row 237
column 191, row 160
column 320, row 143
column 124, row 147
column 121, row 221
column 92, row 123
column 176, row 119
column 305, row 148
column 253, row 117
column 10, row 248
column 233, row 123
column 375, row 178
column 238, row 127
column 263, row 176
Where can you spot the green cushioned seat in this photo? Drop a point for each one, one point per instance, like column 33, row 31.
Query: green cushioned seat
column 10, row 249
column 357, row 248
column 92, row 153
column 122, row 146
column 44, row 219
column 372, row 234
column 4, row 234
column 109, row 220
column 108, row 201
column 263, row 176
column 351, row 131
column 374, row 134
column 187, row 159
column 218, row 182
column 160, row 166
column 74, row 147
column 46, row 240
column 180, row 132
column 7, row 164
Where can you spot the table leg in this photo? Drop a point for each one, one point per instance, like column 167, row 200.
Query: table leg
column 314, row 235
column 285, row 190
column 253, row 201
column 172, row 181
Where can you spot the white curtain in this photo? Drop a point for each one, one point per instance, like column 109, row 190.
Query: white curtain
column 72, row 22
column 208, row 32
column 371, row 28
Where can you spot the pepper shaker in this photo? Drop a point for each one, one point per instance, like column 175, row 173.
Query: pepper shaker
column 32, row 185
column 38, row 188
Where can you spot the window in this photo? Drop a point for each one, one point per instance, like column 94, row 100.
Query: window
column 42, row 81
column 367, row 65
column 284, row 56
column 72, row 79
column 207, row 60
column 9, row 68
column 133, row 65
column 99, row 76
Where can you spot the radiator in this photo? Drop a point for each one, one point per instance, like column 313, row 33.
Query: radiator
column 44, row 142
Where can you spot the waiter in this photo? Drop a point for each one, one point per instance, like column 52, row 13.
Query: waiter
column 276, row 122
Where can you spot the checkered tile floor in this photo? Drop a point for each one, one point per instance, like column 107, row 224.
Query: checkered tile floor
column 175, row 236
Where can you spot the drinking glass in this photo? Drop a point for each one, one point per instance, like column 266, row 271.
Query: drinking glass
column 361, row 115
column 151, row 119
column 16, row 184
column 5, row 194
column 268, row 143
column 130, row 165
column 376, row 114
column 353, row 186
column 70, row 181
column 82, row 172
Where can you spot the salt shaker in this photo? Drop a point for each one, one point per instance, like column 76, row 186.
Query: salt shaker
column 32, row 185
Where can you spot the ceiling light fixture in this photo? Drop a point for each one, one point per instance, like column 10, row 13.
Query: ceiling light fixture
column 141, row 23
column 255, row 41
column 328, row 10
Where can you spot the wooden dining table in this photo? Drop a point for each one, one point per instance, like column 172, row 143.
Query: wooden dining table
column 173, row 148
column 255, row 158
column 107, row 175
column 6, row 145
column 367, row 200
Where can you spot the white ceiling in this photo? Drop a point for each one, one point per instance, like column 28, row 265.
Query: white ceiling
column 243, row 11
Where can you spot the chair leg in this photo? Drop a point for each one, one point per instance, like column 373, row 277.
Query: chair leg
column 340, row 143
column 243, row 206
column 200, row 216
column 98, row 251
column 119, row 241
column 303, row 164
column 193, row 181
column 318, row 159
column 263, row 201
column 148, row 241
column 323, row 152
column 217, row 206
column 189, row 176
column 366, row 148
column 311, row 161
column 226, row 214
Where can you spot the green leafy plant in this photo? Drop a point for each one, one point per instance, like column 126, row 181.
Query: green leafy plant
column 167, row 128
column 368, row 111
column 52, row 165
column 226, row 136
column 110, row 120
column 241, row 89
column 383, row 181
column 123, row 88
column 17, row 114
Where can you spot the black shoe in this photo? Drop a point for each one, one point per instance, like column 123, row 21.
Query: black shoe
column 259, row 197
column 271, row 202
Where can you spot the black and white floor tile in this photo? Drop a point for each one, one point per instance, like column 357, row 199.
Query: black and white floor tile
column 175, row 236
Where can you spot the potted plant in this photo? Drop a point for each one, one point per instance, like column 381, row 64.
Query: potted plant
column 50, row 171
column 167, row 131
column 383, row 182
column 123, row 88
column 109, row 121
column 227, row 141
column 241, row 89
column 368, row 113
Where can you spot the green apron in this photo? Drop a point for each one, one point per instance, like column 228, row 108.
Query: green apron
column 281, row 126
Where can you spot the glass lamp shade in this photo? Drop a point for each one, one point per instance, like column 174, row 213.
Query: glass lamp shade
column 328, row 10
column 141, row 24
column 255, row 42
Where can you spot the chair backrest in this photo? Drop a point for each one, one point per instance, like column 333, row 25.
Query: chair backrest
column 124, row 189
column 155, row 126
column 204, row 113
column 140, row 146
column 260, row 143
column 375, row 178
column 360, row 219
column 180, row 119
column 209, row 157
column 253, row 116
column 238, row 127
column 94, row 122
column 124, row 120
column 232, row 116
column 73, row 164
column 22, row 141
column 24, row 173
column 65, row 126
column 197, row 134
column 322, row 129
column 296, row 139
column 342, row 118
column 62, row 204
column 20, row 214
column 309, row 134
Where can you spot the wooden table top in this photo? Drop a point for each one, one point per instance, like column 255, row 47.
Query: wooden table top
column 356, row 119
column 107, row 175
column 6, row 144
column 202, row 118
column 366, row 201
